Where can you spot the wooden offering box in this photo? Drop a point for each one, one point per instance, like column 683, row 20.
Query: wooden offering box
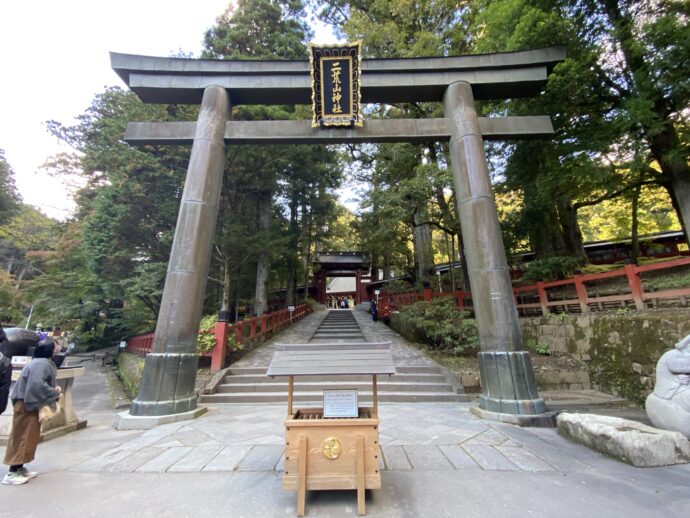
column 331, row 453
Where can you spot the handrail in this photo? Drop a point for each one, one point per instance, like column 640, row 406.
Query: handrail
column 533, row 300
column 249, row 329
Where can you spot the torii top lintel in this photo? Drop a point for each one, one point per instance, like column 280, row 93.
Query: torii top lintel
column 492, row 76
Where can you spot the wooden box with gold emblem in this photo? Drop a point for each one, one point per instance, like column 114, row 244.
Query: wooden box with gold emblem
column 331, row 453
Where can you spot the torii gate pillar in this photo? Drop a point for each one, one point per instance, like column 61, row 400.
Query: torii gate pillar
column 508, row 385
column 167, row 383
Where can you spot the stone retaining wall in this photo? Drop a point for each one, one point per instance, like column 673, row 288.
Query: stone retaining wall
column 620, row 348
column 613, row 352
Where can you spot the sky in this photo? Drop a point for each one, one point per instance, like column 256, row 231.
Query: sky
column 54, row 59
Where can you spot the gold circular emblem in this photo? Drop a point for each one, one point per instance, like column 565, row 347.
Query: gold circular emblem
column 331, row 448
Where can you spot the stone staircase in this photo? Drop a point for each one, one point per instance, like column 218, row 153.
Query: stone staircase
column 412, row 383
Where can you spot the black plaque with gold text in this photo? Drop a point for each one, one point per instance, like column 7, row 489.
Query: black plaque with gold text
column 335, row 74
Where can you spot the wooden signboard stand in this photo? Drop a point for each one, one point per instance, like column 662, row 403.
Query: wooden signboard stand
column 331, row 453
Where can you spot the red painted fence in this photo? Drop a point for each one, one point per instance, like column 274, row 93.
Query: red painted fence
column 566, row 296
column 249, row 329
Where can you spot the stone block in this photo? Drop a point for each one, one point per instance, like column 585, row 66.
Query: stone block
column 559, row 344
column 548, row 330
column 126, row 421
column 625, row 440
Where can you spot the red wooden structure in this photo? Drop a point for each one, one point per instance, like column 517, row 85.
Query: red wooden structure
column 566, row 296
column 247, row 330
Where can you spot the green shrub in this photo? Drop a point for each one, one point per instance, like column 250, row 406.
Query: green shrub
column 443, row 326
column 550, row 269
column 206, row 339
column 531, row 344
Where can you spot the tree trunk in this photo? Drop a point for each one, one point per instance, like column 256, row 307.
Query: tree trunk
column 678, row 174
column 545, row 233
column 262, row 264
column 572, row 236
column 291, row 281
column 386, row 264
column 308, row 223
column 227, row 287
column 634, row 237
column 463, row 264
column 421, row 239
column 450, row 250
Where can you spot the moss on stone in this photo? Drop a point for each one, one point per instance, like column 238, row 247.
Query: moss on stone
column 130, row 368
column 619, row 341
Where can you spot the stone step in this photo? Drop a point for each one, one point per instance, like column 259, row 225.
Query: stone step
column 341, row 336
column 317, row 397
column 401, row 369
column 311, row 386
column 401, row 378
column 337, row 340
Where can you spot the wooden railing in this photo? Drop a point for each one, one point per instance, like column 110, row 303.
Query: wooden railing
column 247, row 330
column 566, row 296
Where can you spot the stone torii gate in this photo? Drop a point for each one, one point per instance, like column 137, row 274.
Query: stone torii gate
column 167, row 386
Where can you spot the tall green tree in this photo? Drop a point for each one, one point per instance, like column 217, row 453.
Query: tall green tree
column 9, row 196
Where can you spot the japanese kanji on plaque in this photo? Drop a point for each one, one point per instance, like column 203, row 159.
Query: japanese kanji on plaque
column 335, row 80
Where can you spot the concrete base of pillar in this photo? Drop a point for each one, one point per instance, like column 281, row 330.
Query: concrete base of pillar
column 508, row 385
column 126, row 421
column 545, row 420
column 167, row 385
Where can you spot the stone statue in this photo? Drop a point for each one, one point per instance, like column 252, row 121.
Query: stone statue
column 668, row 407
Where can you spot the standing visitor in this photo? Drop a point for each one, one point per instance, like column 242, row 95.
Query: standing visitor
column 35, row 388
column 5, row 373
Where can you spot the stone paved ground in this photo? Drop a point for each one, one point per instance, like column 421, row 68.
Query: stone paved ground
column 431, row 436
column 437, row 460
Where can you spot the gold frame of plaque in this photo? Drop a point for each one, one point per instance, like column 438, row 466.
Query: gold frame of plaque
column 325, row 89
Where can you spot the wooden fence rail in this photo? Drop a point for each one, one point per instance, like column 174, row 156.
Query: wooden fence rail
column 247, row 330
column 566, row 296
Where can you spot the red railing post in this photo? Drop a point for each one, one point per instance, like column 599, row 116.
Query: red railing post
column 219, row 351
column 635, row 286
column 428, row 294
column 252, row 328
column 581, row 290
column 543, row 299
column 460, row 297
column 239, row 331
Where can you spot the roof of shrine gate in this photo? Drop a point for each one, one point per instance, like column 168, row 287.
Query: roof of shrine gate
column 342, row 262
column 492, row 76
column 353, row 258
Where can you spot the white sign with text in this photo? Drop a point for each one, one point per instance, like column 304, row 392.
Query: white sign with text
column 340, row 403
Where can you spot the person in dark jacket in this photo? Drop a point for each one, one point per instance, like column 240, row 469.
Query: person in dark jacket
column 35, row 388
column 5, row 374
column 5, row 381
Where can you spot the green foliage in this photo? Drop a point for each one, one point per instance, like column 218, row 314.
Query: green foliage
column 531, row 344
column 206, row 339
column 130, row 368
column 444, row 327
column 9, row 197
column 550, row 269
